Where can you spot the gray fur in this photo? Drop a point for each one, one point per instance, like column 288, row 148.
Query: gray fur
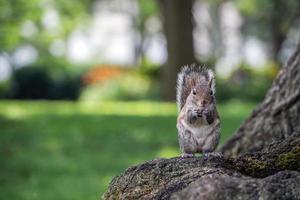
column 198, row 124
column 184, row 89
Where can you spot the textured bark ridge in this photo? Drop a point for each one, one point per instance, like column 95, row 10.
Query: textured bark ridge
column 261, row 160
column 283, row 185
column 271, row 172
column 276, row 117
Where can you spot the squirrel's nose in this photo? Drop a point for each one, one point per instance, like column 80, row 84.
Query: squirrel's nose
column 203, row 102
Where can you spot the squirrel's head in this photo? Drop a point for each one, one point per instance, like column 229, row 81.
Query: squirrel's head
column 202, row 91
column 201, row 96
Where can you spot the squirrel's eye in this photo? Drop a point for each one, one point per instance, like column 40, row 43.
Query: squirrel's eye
column 194, row 92
column 211, row 92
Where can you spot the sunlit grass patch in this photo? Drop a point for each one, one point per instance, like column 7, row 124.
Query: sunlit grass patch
column 168, row 152
column 19, row 109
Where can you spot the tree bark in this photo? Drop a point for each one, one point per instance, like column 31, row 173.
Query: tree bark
column 282, row 185
column 211, row 176
column 261, row 161
column 276, row 117
column 178, row 28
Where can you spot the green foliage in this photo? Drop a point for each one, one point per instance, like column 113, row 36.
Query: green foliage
column 5, row 89
column 150, row 70
column 147, row 8
column 71, row 150
column 31, row 83
column 267, row 17
column 264, row 8
column 39, row 82
column 65, row 88
column 13, row 14
column 246, row 84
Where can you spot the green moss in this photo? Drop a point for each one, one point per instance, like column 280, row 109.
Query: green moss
column 290, row 160
column 257, row 164
column 255, row 167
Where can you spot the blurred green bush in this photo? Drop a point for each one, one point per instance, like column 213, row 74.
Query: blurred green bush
column 30, row 83
column 42, row 82
column 5, row 89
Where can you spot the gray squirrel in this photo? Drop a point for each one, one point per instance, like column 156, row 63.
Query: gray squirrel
column 198, row 122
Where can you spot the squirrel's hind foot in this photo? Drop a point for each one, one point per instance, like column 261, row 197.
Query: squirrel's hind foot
column 215, row 154
column 186, row 155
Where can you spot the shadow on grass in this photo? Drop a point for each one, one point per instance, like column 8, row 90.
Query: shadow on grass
column 50, row 156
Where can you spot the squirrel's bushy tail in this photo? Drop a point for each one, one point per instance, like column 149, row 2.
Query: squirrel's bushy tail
column 189, row 76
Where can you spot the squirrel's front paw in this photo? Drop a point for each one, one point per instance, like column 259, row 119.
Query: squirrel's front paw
column 205, row 112
column 210, row 118
column 198, row 112
column 192, row 117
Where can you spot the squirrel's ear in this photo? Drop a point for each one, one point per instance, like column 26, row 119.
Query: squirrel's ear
column 211, row 80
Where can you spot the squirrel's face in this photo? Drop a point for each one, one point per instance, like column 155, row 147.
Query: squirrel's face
column 201, row 96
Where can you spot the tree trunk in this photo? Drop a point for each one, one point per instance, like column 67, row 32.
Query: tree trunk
column 276, row 117
column 261, row 161
column 178, row 28
column 279, row 28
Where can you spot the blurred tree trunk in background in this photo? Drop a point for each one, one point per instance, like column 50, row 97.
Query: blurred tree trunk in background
column 278, row 31
column 282, row 17
column 178, row 28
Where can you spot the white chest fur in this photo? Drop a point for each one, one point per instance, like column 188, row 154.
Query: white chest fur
column 199, row 132
column 199, row 137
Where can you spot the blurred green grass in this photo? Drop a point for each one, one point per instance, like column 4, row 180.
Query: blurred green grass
column 71, row 150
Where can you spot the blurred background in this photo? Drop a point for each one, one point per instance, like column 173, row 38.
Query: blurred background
column 87, row 87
